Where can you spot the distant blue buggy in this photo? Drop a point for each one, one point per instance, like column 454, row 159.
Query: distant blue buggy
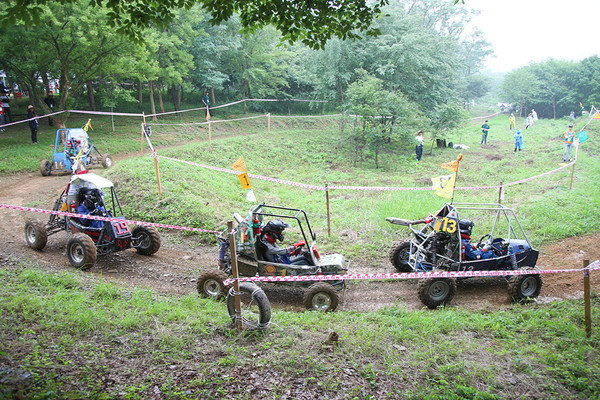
column 73, row 150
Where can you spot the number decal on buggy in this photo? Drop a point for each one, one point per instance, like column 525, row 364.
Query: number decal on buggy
column 445, row 224
column 122, row 228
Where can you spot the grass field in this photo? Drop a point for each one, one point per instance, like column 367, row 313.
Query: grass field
column 69, row 336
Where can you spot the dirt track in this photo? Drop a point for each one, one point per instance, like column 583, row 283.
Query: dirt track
column 177, row 264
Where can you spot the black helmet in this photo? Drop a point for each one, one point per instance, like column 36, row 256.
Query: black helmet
column 275, row 229
column 92, row 195
column 466, row 226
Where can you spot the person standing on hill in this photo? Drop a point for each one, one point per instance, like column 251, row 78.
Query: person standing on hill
column 206, row 101
column 33, row 123
column 419, row 147
column 512, row 121
column 569, row 137
column 485, row 128
column 518, row 140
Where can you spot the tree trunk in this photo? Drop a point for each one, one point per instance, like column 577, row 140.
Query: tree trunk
column 140, row 97
column 152, row 105
column 212, row 96
column 160, row 99
column 90, row 93
column 175, row 93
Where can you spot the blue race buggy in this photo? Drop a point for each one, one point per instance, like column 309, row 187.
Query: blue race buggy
column 438, row 246
column 73, row 150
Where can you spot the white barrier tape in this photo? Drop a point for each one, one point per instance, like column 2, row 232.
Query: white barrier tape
column 406, row 275
column 99, row 218
column 540, row 175
column 306, row 116
column 363, row 188
column 215, row 121
column 485, row 116
column 593, row 266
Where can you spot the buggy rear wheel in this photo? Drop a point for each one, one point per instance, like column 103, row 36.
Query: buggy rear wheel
column 255, row 306
column 45, row 168
column 435, row 292
column 107, row 161
column 81, row 251
column 321, row 296
column 210, row 284
column 399, row 256
column 523, row 288
column 146, row 239
column 35, row 234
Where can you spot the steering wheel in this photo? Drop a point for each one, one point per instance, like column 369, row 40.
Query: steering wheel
column 487, row 238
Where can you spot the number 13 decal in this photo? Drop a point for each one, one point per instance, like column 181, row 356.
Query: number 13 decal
column 445, row 224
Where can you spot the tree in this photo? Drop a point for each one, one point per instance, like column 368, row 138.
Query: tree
column 382, row 116
column 521, row 87
column 311, row 22
column 73, row 37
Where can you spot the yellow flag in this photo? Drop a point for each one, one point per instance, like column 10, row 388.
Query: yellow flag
column 207, row 114
column 239, row 165
column 444, row 185
column 244, row 180
column 596, row 116
column 88, row 125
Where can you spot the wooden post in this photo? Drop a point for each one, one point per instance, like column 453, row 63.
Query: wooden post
column 236, row 284
column 572, row 173
column 142, row 137
column 586, row 299
column 328, row 215
column 157, row 172
column 500, row 193
column 269, row 123
column 209, row 136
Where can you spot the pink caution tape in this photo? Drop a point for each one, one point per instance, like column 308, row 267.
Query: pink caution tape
column 406, row 275
column 99, row 218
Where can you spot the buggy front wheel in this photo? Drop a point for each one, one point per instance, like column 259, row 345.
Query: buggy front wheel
column 210, row 284
column 107, row 161
column 523, row 288
column 35, row 234
column 45, row 168
column 146, row 239
column 255, row 306
column 435, row 292
column 81, row 251
column 321, row 296
column 399, row 256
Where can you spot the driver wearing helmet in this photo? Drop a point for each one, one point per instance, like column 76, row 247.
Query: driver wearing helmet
column 470, row 252
column 273, row 232
column 90, row 202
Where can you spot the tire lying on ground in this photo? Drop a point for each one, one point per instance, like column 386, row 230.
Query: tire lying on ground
column 210, row 284
column 435, row 292
column 256, row 308
column 321, row 296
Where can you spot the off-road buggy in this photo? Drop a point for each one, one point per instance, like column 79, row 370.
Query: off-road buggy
column 322, row 296
column 73, row 146
column 437, row 246
column 87, row 241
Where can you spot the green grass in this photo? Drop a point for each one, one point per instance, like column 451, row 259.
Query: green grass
column 65, row 336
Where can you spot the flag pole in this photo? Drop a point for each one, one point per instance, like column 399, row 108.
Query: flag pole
column 455, row 176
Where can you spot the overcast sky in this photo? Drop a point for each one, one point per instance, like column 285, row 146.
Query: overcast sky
column 521, row 31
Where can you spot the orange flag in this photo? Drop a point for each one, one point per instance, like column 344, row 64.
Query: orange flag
column 453, row 166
